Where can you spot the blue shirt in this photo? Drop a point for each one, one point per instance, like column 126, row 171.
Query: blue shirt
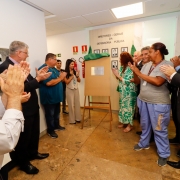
column 51, row 94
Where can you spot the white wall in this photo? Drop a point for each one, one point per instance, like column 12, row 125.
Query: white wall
column 19, row 21
column 63, row 43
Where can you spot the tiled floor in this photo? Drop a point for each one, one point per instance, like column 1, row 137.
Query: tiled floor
column 94, row 153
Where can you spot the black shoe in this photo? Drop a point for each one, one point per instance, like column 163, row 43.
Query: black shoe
column 139, row 133
column 59, row 128
column 178, row 153
column 174, row 164
column 39, row 156
column 65, row 112
column 53, row 135
column 78, row 121
column 173, row 141
column 29, row 169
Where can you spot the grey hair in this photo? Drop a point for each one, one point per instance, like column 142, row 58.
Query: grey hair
column 145, row 48
column 17, row 45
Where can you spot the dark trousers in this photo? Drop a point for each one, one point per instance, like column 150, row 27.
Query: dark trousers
column 52, row 116
column 4, row 173
column 174, row 100
column 27, row 145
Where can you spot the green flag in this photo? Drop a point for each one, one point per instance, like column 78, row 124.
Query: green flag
column 133, row 49
column 90, row 50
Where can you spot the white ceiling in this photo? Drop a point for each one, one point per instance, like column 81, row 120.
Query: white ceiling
column 74, row 15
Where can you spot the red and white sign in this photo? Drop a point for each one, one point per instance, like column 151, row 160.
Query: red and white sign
column 75, row 49
column 84, row 48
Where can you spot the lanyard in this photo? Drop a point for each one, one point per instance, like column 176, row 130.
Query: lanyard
column 152, row 68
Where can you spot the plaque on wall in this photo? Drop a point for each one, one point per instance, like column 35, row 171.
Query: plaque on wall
column 97, row 71
column 114, row 52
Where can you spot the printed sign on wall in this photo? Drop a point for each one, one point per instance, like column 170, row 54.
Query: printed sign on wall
column 75, row 49
column 84, row 49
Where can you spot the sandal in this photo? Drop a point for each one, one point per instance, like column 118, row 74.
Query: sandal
column 127, row 129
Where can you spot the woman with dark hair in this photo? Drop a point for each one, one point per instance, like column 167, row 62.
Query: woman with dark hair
column 154, row 102
column 127, row 90
column 72, row 92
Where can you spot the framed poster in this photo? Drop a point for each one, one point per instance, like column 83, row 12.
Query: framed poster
column 114, row 52
column 124, row 49
column 114, row 64
column 97, row 51
column 105, row 51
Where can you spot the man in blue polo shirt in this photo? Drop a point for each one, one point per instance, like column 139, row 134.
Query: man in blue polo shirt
column 51, row 94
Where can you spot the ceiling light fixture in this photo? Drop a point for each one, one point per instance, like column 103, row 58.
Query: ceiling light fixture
column 50, row 16
column 129, row 10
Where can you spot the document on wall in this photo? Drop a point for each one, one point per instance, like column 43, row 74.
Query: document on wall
column 97, row 71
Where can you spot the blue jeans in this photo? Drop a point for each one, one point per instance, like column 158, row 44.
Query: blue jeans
column 52, row 112
column 156, row 117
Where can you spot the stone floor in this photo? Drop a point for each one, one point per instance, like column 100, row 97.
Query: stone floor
column 94, row 153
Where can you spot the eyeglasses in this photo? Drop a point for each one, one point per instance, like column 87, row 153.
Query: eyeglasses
column 25, row 52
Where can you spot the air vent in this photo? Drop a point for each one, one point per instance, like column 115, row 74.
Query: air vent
column 46, row 13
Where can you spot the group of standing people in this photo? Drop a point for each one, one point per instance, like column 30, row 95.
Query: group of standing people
column 49, row 80
column 52, row 89
column 154, row 104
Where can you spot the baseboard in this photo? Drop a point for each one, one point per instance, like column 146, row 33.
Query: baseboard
column 43, row 133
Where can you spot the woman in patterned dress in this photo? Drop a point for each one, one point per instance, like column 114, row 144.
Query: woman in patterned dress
column 127, row 90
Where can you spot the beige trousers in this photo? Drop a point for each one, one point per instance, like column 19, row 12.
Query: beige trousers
column 72, row 97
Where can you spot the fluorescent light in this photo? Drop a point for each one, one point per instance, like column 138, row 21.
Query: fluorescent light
column 129, row 10
column 50, row 16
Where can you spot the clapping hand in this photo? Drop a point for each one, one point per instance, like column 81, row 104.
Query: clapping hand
column 42, row 74
column 134, row 68
column 25, row 68
column 167, row 70
column 62, row 75
column 14, row 85
column 176, row 61
column 3, row 75
column 77, row 73
column 115, row 72
column 25, row 97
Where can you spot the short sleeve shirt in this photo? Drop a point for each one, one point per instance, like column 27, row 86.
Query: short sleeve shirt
column 51, row 94
column 151, row 93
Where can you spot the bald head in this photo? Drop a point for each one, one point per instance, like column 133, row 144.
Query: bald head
column 137, row 56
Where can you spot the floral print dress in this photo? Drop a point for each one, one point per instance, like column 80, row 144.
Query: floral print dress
column 128, row 94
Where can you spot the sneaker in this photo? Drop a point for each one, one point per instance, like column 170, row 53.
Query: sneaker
column 138, row 148
column 59, row 128
column 162, row 161
column 173, row 141
column 53, row 135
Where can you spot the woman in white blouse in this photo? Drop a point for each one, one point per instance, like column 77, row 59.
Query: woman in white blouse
column 72, row 93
